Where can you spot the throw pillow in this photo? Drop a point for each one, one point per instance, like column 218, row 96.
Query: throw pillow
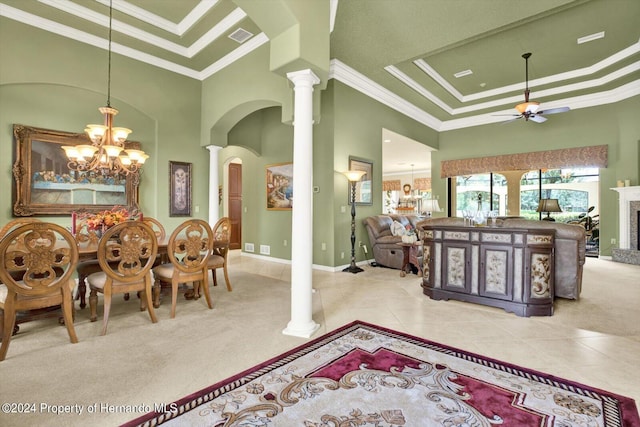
column 397, row 229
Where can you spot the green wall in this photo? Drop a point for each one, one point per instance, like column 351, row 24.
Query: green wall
column 56, row 83
column 616, row 125
column 358, row 123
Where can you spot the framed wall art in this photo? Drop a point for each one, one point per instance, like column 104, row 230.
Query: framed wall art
column 44, row 184
column 364, row 194
column 179, row 189
column 280, row 186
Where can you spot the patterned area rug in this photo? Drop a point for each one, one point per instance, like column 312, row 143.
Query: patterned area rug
column 366, row 375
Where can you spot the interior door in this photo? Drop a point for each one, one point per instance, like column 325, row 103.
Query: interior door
column 235, row 204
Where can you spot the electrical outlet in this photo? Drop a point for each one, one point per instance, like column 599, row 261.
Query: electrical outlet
column 613, row 241
column 284, row 242
column 342, row 255
column 324, row 246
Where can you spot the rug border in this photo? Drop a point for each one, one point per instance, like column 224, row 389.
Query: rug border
column 626, row 405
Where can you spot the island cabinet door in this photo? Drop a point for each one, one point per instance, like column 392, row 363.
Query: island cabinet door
column 456, row 267
column 428, row 267
column 539, row 272
column 496, row 272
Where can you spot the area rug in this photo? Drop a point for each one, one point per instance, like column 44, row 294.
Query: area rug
column 366, row 375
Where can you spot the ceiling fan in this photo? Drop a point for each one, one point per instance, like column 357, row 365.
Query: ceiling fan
column 529, row 110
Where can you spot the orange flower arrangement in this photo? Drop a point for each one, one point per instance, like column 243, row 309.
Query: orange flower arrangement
column 107, row 219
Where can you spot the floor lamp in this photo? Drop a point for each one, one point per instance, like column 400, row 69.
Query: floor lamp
column 353, row 177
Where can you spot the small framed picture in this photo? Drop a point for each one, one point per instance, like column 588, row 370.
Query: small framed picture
column 364, row 194
column 180, row 189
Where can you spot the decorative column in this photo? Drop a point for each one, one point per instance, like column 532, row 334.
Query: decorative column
column 214, row 204
column 302, row 324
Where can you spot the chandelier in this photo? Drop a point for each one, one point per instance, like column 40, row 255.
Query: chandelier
column 107, row 153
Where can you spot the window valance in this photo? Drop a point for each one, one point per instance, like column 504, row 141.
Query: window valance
column 594, row 156
column 423, row 184
column 391, row 185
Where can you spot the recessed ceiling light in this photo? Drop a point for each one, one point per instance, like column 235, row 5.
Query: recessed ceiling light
column 462, row 73
column 591, row 37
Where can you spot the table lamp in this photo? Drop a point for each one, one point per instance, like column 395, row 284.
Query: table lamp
column 548, row 206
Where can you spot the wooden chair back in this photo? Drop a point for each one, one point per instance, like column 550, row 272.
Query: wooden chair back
column 127, row 251
column 157, row 226
column 190, row 245
column 43, row 254
column 16, row 223
column 222, row 236
column 37, row 261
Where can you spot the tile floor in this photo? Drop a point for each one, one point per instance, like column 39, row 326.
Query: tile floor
column 595, row 341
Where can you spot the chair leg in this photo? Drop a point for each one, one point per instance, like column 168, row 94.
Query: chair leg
column 226, row 278
column 93, row 305
column 156, row 293
column 146, row 296
column 107, row 309
column 82, row 290
column 174, row 297
column 214, row 276
column 67, row 312
column 9, row 319
column 207, row 295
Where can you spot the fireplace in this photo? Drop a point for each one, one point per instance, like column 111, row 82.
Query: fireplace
column 629, row 220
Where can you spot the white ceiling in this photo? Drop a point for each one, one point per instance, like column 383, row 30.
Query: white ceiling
column 401, row 155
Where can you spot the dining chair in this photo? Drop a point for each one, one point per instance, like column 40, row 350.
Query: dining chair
column 126, row 253
column 188, row 249
column 161, row 235
column 220, row 251
column 37, row 261
column 87, row 237
column 157, row 227
column 16, row 223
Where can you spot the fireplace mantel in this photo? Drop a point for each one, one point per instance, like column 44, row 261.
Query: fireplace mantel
column 626, row 195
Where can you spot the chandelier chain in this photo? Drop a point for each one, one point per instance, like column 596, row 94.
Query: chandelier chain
column 109, row 62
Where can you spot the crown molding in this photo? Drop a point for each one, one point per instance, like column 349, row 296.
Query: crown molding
column 352, row 78
column 573, row 74
column 157, row 21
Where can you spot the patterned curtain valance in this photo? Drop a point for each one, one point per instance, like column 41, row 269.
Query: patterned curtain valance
column 595, row 156
column 423, row 184
column 391, row 185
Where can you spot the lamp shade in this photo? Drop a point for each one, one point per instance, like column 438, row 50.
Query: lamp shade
column 431, row 205
column 354, row 176
column 548, row 205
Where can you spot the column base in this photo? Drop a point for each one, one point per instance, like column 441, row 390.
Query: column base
column 302, row 331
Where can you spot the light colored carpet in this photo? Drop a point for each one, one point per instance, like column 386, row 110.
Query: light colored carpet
column 594, row 341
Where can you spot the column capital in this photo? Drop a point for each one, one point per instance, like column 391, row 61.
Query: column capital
column 213, row 148
column 303, row 76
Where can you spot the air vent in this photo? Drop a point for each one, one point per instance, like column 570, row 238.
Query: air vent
column 240, row 35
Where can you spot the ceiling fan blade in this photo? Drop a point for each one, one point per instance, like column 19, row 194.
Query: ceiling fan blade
column 555, row 110
column 538, row 119
column 511, row 120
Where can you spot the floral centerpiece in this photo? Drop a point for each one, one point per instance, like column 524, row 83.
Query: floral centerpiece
column 107, row 219
column 99, row 222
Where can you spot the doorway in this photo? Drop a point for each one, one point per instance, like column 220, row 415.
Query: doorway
column 234, row 202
